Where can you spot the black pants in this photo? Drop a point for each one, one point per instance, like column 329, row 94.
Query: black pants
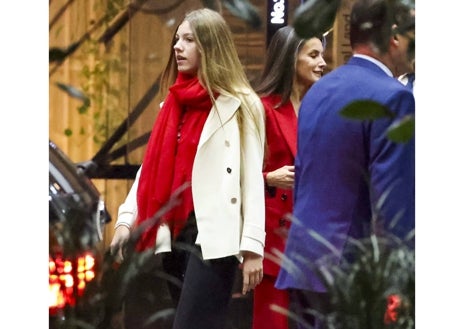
column 200, row 289
column 153, row 294
column 206, row 293
column 175, row 262
column 310, row 306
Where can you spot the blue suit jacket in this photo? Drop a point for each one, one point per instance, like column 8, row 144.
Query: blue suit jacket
column 343, row 166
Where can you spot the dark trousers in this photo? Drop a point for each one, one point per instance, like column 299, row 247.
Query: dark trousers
column 175, row 262
column 206, row 293
column 201, row 290
column 310, row 307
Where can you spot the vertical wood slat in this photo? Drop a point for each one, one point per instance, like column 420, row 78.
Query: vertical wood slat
column 341, row 51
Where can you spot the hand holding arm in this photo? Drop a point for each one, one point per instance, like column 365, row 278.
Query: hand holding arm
column 284, row 177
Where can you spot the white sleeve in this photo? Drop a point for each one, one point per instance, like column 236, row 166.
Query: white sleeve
column 127, row 212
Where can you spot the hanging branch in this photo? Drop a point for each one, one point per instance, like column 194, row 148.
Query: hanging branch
column 59, row 55
column 122, row 20
column 155, row 8
column 59, row 13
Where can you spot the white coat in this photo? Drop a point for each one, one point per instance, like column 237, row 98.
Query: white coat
column 227, row 185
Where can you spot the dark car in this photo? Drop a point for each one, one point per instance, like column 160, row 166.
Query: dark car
column 77, row 216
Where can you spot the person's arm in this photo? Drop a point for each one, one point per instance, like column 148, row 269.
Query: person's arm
column 392, row 170
column 127, row 214
column 253, row 234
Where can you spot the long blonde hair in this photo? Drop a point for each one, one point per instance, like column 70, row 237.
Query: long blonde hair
column 220, row 67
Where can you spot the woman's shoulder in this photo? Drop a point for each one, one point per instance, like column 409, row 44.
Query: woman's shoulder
column 246, row 91
column 243, row 94
column 271, row 100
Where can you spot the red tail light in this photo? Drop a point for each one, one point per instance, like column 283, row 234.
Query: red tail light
column 68, row 279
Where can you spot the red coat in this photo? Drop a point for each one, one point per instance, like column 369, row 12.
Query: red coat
column 281, row 132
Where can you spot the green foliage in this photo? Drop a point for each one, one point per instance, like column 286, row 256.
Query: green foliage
column 359, row 290
column 362, row 282
column 98, row 95
column 366, row 110
column 403, row 130
column 74, row 92
column 400, row 131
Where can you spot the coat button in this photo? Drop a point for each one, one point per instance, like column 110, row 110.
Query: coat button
column 283, row 197
column 229, row 170
column 233, row 200
column 282, row 222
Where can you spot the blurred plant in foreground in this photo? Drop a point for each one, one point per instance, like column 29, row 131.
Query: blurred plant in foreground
column 371, row 287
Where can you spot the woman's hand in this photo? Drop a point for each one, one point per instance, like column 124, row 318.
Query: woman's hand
column 120, row 238
column 252, row 270
column 284, row 177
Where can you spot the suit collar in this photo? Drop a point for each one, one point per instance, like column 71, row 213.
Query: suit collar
column 369, row 61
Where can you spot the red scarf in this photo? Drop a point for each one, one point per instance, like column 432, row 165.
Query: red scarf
column 157, row 176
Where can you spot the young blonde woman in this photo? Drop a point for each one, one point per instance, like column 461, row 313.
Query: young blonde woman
column 209, row 136
column 292, row 66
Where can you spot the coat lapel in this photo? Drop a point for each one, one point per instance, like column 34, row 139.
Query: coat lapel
column 287, row 121
column 226, row 108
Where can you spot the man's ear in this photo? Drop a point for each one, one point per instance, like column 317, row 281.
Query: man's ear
column 394, row 41
column 395, row 32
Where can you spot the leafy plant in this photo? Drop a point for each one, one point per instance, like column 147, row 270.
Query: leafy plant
column 400, row 131
column 384, row 268
column 371, row 287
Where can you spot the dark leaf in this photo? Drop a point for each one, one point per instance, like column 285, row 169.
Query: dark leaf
column 83, row 109
column 244, row 10
column 74, row 92
column 314, row 17
column 157, row 7
column 56, row 54
column 365, row 110
column 402, row 130
column 212, row 4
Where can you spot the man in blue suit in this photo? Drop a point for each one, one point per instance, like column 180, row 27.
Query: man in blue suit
column 350, row 178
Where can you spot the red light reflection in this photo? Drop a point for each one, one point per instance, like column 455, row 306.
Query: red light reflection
column 68, row 279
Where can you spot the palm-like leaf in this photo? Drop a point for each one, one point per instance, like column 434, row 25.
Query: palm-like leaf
column 402, row 130
column 366, row 110
column 315, row 17
column 245, row 10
